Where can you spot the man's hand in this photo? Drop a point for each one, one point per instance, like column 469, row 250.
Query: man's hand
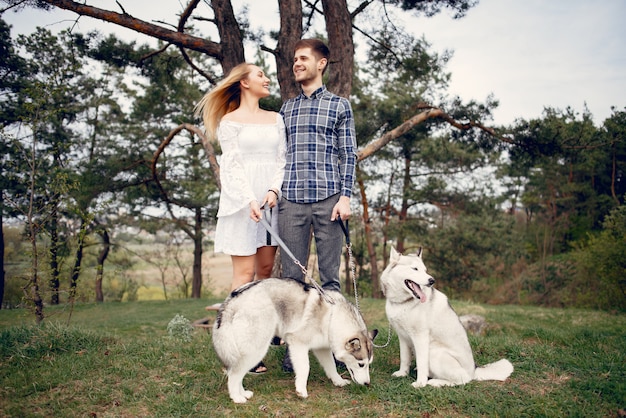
column 341, row 209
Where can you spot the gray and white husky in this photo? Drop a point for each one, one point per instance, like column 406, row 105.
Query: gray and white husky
column 254, row 313
column 427, row 326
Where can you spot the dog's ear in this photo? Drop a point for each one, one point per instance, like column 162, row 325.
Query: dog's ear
column 373, row 333
column 419, row 252
column 353, row 345
column 394, row 256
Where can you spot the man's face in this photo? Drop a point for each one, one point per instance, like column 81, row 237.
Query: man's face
column 306, row 67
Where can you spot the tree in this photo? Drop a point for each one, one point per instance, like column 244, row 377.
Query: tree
column 13, row 71
column 339, row 23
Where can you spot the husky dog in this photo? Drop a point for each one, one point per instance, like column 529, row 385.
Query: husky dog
column 304, row 318
column 427, row 325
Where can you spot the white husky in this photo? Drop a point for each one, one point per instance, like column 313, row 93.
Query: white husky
column 427, row 325
column 253, row 314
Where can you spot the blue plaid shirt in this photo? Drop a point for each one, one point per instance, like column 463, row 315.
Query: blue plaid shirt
column 321, row 147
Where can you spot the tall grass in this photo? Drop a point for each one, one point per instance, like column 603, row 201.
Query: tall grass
column 117, row 360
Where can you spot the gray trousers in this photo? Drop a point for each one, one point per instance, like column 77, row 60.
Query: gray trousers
column 294, row 226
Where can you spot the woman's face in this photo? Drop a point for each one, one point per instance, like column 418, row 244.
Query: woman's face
column 257, row 82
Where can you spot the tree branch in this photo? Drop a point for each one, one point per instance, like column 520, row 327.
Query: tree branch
column 178, row 38
column 431, row 113
column 187, row 14
column 212, row 162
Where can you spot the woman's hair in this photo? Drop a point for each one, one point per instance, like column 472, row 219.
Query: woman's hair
column 224, row 98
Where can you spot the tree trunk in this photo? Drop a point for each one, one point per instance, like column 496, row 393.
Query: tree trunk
column 367, row 226
column 78, row 260
column 404, row 209
column 104, row 253
column 2, row 273
column 231, row 36
column 54, row 256
column 31, row 290
column 386, row 222
column 196, row 285
column 340, row 43
column 289, row 33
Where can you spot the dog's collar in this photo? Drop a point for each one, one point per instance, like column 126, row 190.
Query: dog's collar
column 409, row 299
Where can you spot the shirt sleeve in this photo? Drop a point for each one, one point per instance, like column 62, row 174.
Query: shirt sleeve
column 347, row 149
column 236, row 192
column 281, row 160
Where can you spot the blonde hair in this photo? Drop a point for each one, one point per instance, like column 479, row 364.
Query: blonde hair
column 224, row 98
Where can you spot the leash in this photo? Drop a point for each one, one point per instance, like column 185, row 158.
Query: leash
column 346, row 231
column 351, row 266
column 284, row 247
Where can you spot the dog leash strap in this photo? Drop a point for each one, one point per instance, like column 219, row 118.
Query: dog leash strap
column 346, row 229
column 268, row 235
column 282, row 244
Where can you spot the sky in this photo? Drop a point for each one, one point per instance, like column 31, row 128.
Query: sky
column 530, row 54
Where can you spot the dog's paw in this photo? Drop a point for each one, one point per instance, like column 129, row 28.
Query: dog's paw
column 440, row 383
column 399, row 373
column 302, row 393
column 341, row 382
column 239, row 399
column 418, row 385
column 248, row 394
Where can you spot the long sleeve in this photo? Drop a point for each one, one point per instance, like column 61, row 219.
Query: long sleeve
column 277, row 180
column 347, row 148
column 236, row 192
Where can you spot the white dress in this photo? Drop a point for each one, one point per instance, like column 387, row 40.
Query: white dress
column 252, row 162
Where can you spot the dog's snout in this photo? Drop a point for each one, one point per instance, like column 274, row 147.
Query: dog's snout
column 431, row 281
column 367, row 383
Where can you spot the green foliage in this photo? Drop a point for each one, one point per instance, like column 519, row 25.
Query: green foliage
column 473, row 251
column 601, row 279
column 180, row 328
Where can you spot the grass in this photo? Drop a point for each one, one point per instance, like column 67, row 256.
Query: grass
column 117, row 360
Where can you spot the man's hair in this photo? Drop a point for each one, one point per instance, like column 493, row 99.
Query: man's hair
column 318, row 48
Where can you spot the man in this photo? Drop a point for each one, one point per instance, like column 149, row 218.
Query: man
column 320, row 169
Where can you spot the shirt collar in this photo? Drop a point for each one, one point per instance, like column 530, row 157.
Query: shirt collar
column 317, row 94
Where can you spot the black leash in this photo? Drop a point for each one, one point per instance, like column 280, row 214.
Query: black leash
column 346, row 232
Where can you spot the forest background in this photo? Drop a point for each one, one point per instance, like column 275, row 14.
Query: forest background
column 106, row 175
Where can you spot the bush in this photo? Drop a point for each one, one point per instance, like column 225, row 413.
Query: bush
column 180, row 328
column 602, row 261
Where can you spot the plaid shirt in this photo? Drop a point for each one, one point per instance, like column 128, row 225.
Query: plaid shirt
column 321, row 147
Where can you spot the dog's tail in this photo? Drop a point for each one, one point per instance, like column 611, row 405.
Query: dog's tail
column 499, row 370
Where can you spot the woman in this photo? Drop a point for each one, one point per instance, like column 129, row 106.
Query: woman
column 252, row 167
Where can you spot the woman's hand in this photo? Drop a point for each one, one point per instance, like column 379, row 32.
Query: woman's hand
column 255, row 211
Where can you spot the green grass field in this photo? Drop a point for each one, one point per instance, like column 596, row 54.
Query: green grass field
column 117, row 360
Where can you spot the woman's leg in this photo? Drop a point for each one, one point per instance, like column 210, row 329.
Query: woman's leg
column 265, row 261
column 243, row 270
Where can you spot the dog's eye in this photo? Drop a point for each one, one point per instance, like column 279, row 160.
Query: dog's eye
column 361, row 365
column 416, row 269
